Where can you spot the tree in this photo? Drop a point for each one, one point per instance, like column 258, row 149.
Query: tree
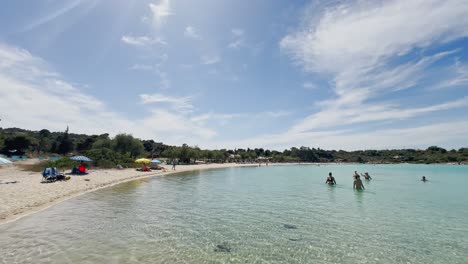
column 127, row 144
column 86, row 144
column 195, row 153
column 184, row 155
column 65, row 145
column 43, row 143
column 44, row 133
column 436, row 149
column 19, row 143
column 148, row 145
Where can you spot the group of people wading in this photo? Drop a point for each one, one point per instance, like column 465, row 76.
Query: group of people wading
column 357, row 184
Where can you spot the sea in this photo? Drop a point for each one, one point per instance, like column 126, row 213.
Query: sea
column 268, row 214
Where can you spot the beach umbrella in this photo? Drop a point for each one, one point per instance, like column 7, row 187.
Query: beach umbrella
column 4, row 161
column 80, row 158
column 155, row 161
column 142, row 160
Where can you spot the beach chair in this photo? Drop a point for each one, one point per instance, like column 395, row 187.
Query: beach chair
column 52, row 175
column 48, row 175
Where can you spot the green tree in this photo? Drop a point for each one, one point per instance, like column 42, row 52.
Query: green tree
column 65, row 144
column 19, row 143
column 85, row 144
column 184, row 155
column 44, row 141
column 127, row 144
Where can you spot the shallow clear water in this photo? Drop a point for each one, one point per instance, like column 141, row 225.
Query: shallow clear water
column 183, row 218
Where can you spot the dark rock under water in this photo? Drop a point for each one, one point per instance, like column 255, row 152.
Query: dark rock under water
column 222, row 248
column 288, row 226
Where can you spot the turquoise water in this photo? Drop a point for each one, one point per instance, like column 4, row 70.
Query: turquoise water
column 276, row 214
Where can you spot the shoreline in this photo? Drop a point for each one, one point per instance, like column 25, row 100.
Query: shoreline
column 29, row 196
column 26, row 207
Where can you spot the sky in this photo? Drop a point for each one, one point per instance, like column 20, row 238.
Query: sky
column 236, row 74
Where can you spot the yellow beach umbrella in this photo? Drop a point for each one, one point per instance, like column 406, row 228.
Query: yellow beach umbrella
column 142, row 160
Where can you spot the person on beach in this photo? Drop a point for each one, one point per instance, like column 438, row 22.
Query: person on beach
column 330, row 179
column 424, row 179
column 357, row 185
column 173, row 164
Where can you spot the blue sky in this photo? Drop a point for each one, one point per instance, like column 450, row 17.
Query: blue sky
column 226, row 74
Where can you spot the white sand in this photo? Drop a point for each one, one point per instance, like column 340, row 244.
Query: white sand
column 29, row 195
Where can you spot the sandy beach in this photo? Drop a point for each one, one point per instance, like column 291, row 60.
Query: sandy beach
column 28, row 195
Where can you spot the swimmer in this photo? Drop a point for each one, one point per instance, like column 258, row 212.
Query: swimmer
column 424, row 179
column 357, row 185
column 330, row 179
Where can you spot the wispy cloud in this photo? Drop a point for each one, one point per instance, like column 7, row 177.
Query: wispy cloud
column 42, row 98
column 357, row 45
column 160, row 12
column 238, row 39
column 191, row 32
column 177, row 103
column 458, row 76
column 309, row 85
column 158, row 69
column 143, row 67
column 142, row 41
column 441, row 134
column 53, row 15
column 210, row 59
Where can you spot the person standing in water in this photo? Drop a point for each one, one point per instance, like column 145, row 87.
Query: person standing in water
column 367, row 176
column 357, row 185
column 330, row 179
column 355, row 174
column 424, row 179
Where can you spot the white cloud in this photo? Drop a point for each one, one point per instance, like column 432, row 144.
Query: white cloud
column 442, row 134
column 69, row 6
column 156, row 68
column 177, row 103
column 458, row 76
column 210, row 59
column 191, row 32
column 33, row 96
column 237, row 32
column 361, row 46
column 160, row 12
column 142, row 41
column 309, row 85
column 367, row 32
column 143, row 67
column 333, row 117
column 238, row 38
